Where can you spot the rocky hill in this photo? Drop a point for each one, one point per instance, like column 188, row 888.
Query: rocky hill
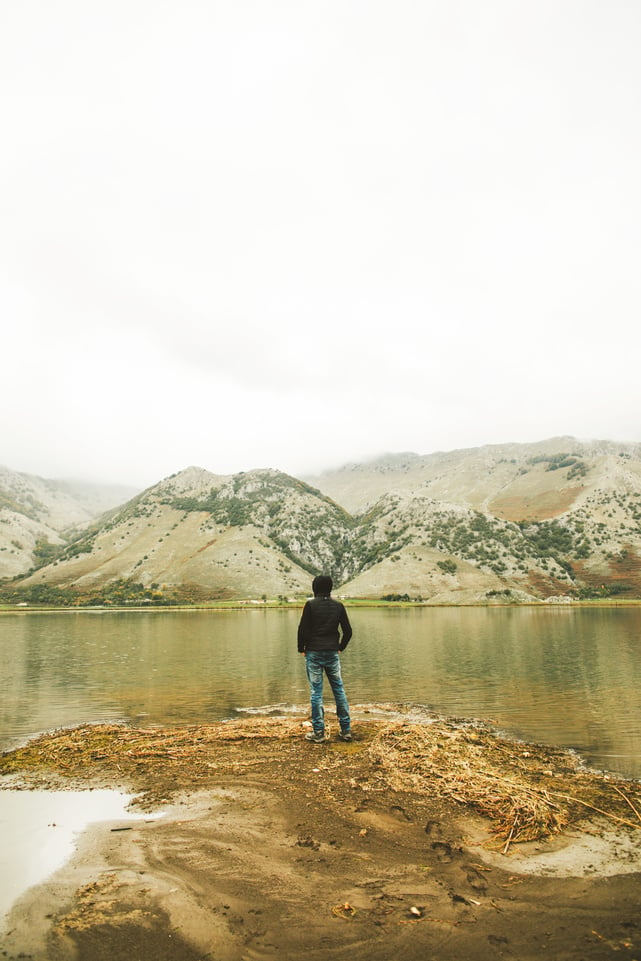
column 38, row 515
column 560, row 517
column 557, row 519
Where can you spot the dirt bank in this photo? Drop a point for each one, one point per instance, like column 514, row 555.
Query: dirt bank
column 392, row 846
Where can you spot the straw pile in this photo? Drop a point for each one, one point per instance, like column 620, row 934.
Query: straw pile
column 183, row 755
column 528, row 792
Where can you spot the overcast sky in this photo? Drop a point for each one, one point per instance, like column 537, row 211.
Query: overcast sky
column 293, row 233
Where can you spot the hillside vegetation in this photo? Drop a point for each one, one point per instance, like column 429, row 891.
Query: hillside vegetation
column 559, row 519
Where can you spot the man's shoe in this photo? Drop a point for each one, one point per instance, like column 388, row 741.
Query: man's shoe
column 316, row 738
column 345, row 737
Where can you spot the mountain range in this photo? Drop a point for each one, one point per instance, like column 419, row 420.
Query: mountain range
column 558, row 519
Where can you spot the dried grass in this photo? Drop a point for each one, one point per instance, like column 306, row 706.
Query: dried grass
column 527, row 792
column 181, row 756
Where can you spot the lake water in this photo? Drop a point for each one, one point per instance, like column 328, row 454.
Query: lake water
column 562, row 676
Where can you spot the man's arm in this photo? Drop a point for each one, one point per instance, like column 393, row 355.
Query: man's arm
column 304, row 627
column 346, row 629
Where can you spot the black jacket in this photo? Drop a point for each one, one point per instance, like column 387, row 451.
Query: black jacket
column 319, row 626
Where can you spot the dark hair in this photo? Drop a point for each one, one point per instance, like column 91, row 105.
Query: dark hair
column 322, row 585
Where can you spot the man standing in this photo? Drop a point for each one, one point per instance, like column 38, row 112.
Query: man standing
column 320, row 640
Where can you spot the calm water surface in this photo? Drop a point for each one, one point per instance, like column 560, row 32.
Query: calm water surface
column 568, row 677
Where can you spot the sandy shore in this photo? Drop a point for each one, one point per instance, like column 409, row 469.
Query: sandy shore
column 274, row 847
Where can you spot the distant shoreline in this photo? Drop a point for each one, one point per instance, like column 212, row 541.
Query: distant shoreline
column 254, row 605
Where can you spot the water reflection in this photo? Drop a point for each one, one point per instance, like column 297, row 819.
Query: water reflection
column 562, row 676
column 39, row 830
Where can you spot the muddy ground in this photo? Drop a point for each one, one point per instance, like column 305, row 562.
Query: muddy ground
column 258, row 844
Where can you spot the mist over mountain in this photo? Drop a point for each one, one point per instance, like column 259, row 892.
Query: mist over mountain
column 557, row 519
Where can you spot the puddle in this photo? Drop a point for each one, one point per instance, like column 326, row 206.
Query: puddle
column 603, row 854
column 39, row 829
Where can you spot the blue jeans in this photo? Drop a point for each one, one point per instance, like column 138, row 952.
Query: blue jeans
column 318, row 663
